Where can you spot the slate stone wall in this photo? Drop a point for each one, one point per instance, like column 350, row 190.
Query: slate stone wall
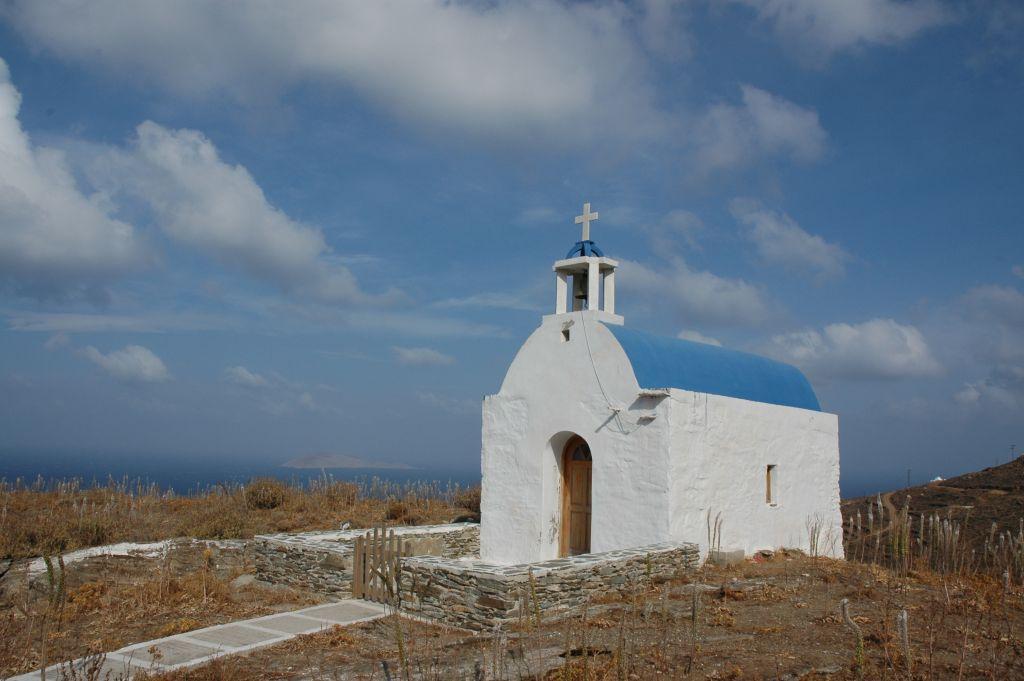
column 476, row 595
column 322, row 561
column 322, row 569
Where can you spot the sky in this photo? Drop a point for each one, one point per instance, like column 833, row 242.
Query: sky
column 267, row 230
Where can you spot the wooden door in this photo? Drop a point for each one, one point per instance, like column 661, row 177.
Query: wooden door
column 576, row 507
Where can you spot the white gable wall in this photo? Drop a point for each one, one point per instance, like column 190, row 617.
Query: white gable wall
column 549, row 393
column 721, row 448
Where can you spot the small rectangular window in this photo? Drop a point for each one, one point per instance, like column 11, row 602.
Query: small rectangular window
column 769, row 486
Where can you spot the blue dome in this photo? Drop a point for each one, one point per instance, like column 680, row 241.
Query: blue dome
column 673, row 363
column 584, row 248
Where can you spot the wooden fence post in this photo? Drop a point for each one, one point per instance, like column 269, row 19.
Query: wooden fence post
column 357, row 568
column 378, row 540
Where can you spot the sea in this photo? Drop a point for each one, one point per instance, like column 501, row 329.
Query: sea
column 185, row 474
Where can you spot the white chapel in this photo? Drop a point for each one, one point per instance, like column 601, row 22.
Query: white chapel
column 604, row 437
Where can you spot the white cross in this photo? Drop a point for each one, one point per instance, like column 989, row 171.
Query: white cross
column 585, row 220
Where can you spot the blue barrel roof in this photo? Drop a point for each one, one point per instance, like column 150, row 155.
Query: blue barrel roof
column 660, row 362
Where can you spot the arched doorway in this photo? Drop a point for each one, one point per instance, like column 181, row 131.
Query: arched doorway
column 577, row 466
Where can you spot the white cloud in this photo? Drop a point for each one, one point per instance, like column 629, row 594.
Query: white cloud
column 540, row 215
column 219, row 209
column 451, row 405
column 57, row 341
column 875, row 349
column 661, row 24
column 1003, row 388
column 780, row 240
column 422, row 356
column 1000, row 304
column 239, row 375
column 694, row 296
column 729, row 136
column 54, row 240
column 75, row 322
column 279, row 396
column 697, row 336
column 520, row 69
column 503, row 301
column 821, row 28
column 682, row 224
column 969, row 395
column 988, row 322
column 134, row 364
column 1003, row 42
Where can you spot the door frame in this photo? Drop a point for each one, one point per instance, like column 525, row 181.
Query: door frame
column 563, row 539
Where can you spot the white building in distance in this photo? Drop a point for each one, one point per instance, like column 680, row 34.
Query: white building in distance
column 603, row 437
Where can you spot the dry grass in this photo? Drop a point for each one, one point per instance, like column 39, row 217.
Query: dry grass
column 43, row 519
column 946, row 543
column 109, row 602
column 772, row 620
column 925, row 599
column 80, row 609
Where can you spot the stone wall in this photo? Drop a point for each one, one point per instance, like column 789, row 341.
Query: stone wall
column 322, row 561
column 476, row 595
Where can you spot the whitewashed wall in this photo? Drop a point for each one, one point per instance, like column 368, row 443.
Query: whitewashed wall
column 721, row 448
column 549, row 393
column 654, row 480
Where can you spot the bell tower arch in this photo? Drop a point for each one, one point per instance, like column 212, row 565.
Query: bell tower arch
column 585, row 278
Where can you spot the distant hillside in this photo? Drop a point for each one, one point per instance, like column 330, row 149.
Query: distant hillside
column 342, row 461
column 991, row 495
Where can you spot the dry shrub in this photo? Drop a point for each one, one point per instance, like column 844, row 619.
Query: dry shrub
column 224, row 518
column 333, row 494
column 396, row 510
column 179, row 626
column 720, row 616
column 266, row 493
column 219, row 669
column 61, row 516
column 92, row 532
column 334, row 637
column 469, row 499
column 406, row 512
column 86, row 598
column 769, row 593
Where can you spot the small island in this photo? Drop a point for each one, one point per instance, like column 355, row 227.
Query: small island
column 342, row 461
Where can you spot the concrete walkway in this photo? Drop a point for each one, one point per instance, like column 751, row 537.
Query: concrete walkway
column 202, row 645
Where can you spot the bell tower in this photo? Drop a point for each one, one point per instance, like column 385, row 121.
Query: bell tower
column 585, row 278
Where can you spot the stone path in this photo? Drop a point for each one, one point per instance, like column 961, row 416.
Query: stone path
column 202, row 645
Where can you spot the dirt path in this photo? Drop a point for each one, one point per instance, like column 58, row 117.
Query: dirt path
column 889, row 506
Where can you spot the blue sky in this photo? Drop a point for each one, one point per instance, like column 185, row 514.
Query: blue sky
column 268, row 230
